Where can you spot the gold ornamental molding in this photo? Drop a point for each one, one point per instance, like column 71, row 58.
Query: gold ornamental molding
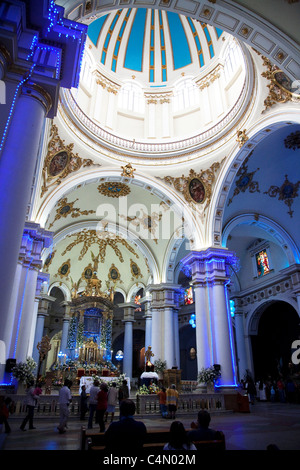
column 60, row 161
column 196, row 188
column 66, row 208
column 128, row 170
column 280, row 87
column 114, row 189
column 242, row 137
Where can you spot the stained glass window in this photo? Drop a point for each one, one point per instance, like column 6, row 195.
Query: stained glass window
column 262, row 263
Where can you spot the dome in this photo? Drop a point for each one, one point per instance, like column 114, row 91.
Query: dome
column 153, row 45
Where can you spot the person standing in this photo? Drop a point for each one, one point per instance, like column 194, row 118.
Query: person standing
column 112, row 401
column 83, row 403
column 163, row 402
column 123, row 391
column 172, row 401
column 101, row 406
column 94, row 390
column 31, row 400
column 65, row 398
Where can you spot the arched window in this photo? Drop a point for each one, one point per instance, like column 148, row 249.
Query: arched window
column 186, row 94
column 131, row 98
column 233, row 59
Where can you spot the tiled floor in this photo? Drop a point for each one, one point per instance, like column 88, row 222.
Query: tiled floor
column 267, row 423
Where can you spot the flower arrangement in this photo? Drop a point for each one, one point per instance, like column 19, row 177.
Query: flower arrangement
column 159, row 365
column 208, row 375
column 151, row 390
column 23, row 371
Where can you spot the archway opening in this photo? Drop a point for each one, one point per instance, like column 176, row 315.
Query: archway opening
column 278, row 327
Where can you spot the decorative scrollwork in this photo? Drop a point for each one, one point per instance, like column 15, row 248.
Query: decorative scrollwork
column 245, row 180
column 114, row 189
column 66, row 208
column 287, row 192
column 60, row 161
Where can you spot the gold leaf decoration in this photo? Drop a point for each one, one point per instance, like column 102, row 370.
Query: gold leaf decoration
column 102, row 239
column 197, row 187
column 66, row 208
column 60, row 161
column 114, row 189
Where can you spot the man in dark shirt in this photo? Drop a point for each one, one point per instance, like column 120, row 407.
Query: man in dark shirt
column 126, row 435
column 201, row 431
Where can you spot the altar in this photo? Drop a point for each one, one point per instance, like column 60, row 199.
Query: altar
column 88, row 381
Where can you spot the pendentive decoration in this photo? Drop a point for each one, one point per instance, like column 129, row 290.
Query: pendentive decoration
column 114, row 274
column 281, row 87
column 135, row 271
column 287, row 192
column 66, row 208
column 114, row 189
column 197, row 187
column 245, row 180
column 48, row 261
column 60, row 161
column 146, row 222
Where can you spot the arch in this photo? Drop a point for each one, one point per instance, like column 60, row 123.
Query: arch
column 133, row 290
column 266, row 126
column 169, row 196
column 247, row 24
column 273, row 229
column 65, row 290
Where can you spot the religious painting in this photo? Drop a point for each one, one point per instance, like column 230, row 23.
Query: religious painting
column 49, row 260
column 283, row 80
column 135, row 270
column 197, row 190
column 188, row 296
column 65, row 209
column 64, row 270
column 58, row 163
column 114, row 274
column 262, row 263
column 87, row 272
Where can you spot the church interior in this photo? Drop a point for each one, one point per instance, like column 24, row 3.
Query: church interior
column 154, row 150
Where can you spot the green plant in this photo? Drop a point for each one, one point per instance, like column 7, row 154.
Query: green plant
column 23, row 371
column 208, row 375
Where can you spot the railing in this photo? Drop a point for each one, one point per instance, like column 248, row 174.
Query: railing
column 187, row 403
column 48, row 405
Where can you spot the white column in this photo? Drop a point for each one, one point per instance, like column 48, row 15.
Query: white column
column 169, row 339
column 156, row 334
column 240, row 344
column 224, row 352
column 176, row 340
column 24, row 331
column 203, row 331
column 16, row 175
column 128, row 345
column 40, row 322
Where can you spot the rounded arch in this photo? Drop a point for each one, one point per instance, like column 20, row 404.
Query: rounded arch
column 273, row 230
column 133, row 290
column 65, row 290
column 167, row 195
column 247, row 24
column 266, row 126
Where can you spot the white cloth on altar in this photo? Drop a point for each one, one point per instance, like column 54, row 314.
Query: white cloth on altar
column 88, row 382
column 149, row 375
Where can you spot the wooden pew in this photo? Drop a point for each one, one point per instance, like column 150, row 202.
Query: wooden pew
column 155, row 441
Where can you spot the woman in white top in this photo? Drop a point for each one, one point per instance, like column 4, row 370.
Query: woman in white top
column 178, row 438
column 112, row 401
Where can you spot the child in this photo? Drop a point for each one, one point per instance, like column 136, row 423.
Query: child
column 37, row 391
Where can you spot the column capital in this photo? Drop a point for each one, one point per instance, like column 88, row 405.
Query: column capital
column 37, row 92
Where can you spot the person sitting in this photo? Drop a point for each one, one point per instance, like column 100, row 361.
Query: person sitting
column 178, row 438
column 126, row 435
column 201, row 430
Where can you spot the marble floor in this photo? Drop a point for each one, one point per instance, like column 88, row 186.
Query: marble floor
column 267, row 423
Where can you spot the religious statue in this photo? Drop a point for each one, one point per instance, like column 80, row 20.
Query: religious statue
column 93, row 286
column 148, row 355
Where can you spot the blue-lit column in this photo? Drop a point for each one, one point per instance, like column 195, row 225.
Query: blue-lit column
column 218, row 262
column 17, row 164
